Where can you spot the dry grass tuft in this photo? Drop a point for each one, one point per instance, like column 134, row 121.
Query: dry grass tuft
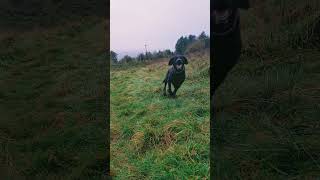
column 138, row 140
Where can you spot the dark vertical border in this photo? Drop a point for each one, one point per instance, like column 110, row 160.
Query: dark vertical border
column 211, row 98
column 107, row 85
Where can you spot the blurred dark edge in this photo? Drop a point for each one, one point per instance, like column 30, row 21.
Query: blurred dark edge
column 26, row 14
column 22, row 15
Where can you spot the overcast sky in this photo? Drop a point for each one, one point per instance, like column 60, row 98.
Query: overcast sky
column 157, row 23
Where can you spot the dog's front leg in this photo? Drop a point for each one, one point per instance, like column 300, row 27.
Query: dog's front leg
column 165, row 88
column 169, row 89
column 174, row 92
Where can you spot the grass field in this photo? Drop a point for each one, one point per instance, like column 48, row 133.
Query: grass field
column 267, row 119
column 267, row 111
column 52, row 100
column 156, row 137
column 52, row 104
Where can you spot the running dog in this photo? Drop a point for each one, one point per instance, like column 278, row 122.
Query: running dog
column 175, row 75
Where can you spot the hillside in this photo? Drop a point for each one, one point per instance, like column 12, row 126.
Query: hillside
column 52, row 120
column 153, row 136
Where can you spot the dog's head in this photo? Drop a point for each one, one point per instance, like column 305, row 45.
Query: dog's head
column 178, row 62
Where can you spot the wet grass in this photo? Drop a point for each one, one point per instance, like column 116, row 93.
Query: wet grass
column 156, row 137
column 267, row 119
column 51, row 98
column 267, row 111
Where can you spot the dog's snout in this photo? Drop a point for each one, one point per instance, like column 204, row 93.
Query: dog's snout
column 179, row 61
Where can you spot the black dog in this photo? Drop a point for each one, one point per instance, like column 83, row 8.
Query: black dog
column 175, row 75
column 226, row 39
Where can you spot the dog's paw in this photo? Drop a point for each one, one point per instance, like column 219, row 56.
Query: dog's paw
column 172, row 95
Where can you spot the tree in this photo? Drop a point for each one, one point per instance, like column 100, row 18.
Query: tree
column 191, row 38
column 113, row 57
column 141, row 57
column 127, row 59
column 160, row 54
column 203, row 36
column 181, row 45
column 167, row 53
column 206, row 39
column 149, row 55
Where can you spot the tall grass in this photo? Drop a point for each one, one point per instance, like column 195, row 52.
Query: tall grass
column 156, row 137
column 51, row 121
column 267, row 110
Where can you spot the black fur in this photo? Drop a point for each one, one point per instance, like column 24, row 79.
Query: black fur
column 226, row 47
column 224, row 4
column 175, row 75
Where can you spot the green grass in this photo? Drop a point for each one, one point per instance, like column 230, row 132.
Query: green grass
column 51, row 98
column 267, row 110
column 156, row 137
column 269, row 127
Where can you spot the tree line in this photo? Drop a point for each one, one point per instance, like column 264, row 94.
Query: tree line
column 184, row 45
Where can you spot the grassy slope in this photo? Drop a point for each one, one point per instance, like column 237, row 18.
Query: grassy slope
column 267, row 123
column 51, row 123
column 156, row 137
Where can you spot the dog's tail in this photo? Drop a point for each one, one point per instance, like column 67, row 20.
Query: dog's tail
column 165, row 80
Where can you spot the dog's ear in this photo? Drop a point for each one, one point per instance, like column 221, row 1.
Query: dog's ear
column 171, row 61
column 185, row 60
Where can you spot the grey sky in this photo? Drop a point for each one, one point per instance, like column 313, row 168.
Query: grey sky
column 157, row 23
